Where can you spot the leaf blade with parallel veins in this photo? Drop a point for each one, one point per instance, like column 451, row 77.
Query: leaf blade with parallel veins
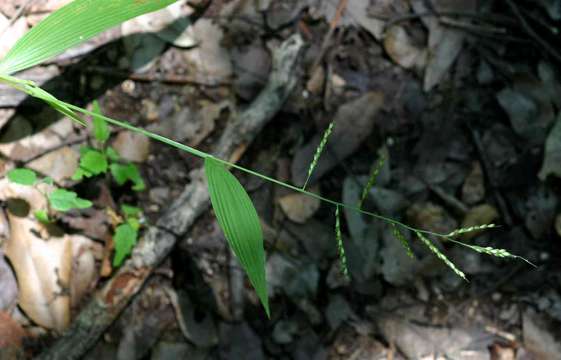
column 240, row 223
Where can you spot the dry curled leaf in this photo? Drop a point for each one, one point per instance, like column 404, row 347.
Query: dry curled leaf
column 49, row 269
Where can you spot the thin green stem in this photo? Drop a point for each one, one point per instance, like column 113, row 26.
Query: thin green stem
column 203, row 155
column 32, row 89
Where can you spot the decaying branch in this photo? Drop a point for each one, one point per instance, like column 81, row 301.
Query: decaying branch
column 158, row 241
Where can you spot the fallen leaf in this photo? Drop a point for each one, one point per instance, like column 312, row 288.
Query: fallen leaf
column 479, row 215
column 9, row 293
column 299, row 207
column 444, row 43
column 170, row 24
column 419, row 341
column 40, row 143
column 353, row 123
column 402, row 50
column 358, row 12
column 473, row 189
column 538, row 340
column 552, row 153
column 60, row 164
column 252, row 64
column 11, row 333
column 209, row 62
column 12, row 34
column 432, row 217
column 43, row 263
column 132, row 146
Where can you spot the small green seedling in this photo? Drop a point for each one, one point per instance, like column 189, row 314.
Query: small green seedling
column 97, row 161
column 79, row 21
column 58, row 199
column 126, row 234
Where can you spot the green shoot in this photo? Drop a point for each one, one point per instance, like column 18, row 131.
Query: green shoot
column 124, row 239
column 42, row 216
column 129, row 172
column 440, row 255
column 372, row 179
column 92, row 162
column 59, row 199
column 340, row 247
column 126, row 234
column 22, row 176
column 319, row 150
column 64, row 200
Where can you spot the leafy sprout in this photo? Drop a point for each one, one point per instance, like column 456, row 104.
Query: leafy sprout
column 22, row 176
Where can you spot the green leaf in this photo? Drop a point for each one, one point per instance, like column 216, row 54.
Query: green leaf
column 64, row 200
column 80, row 173
column 71, row 25
column 48, row 180
column 239, row 221
column 22, row 176
column 42, row 216
column 101, row 130
column 123, row 173
column 130, row 211
column 134, row 222
column 124, row 239
column 92, row 162
column 112, row 154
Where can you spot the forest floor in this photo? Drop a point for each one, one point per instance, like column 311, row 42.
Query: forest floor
column 461, row 99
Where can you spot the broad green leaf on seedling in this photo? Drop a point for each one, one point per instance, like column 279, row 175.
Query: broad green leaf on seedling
column 130, row 211
column 123, row 173
column 132, row 214
column 71, row 25
column 101, row 129
column 64, row 200
column 124, row 239
column 239, row 221
column 112, row 154
column 48, row 180
column 92, row 162
column 22, row 176
column 42, row 216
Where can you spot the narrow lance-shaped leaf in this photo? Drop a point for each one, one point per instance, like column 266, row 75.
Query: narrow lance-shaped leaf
column 239, row 221
column 319, row 150
column 71, row 25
